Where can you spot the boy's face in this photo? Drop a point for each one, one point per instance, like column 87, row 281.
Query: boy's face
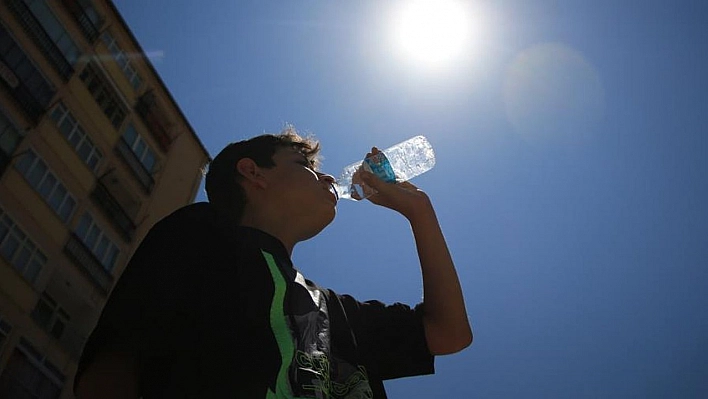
column 306, row 195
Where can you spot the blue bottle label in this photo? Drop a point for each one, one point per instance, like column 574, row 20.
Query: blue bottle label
column 379, row 165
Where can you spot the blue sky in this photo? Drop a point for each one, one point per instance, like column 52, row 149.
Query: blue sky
column 570, row 180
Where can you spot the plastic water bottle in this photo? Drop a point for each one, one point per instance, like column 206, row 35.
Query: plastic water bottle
column 399, row 163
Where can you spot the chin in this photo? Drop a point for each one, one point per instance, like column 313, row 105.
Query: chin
column 327, row 221
column 324, row 222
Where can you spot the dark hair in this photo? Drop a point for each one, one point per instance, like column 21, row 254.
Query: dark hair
column 222, row 182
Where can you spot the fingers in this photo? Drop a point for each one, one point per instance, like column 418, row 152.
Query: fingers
column 366, row 184
column 375, row 182
column 374, row 151
column 370, row 179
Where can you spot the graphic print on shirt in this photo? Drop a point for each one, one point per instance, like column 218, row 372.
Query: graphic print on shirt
column 300, row 322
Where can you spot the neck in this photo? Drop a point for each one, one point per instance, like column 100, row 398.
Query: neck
column 272, row 226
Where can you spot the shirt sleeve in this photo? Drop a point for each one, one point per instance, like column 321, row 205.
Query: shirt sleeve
column 390, row 339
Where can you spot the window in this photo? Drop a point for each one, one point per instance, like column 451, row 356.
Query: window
column 50, row 316
column 97, row 242
column 105, row 97
column 137, row 145
column 54, row 29
column 19, row 250
column 28, row 374
column 122, row 59
column 77, row 137
column 90, row 12
column 46, row 184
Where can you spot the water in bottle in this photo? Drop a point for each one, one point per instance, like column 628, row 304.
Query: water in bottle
column 398, row 163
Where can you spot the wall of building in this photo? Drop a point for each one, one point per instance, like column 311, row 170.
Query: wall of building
column 93, row 151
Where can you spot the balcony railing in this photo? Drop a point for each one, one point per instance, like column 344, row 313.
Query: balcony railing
column 32, row 101
column 113, row 209
column 87, row 26
column 139, row 171
column 154, row 119
column 41, row 38
column 104, row 93
column 71, row 340
column 87, row 262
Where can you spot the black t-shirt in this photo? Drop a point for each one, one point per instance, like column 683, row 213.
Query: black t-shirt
column 215, row 310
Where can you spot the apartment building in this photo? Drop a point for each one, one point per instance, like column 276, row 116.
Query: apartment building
column 93, row 151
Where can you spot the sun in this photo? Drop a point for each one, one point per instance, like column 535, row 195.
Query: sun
column 432, row 32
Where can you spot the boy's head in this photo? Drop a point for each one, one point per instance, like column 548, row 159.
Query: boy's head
column 223, row 180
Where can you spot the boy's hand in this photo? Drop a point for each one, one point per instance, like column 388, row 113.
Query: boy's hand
column 402, row 197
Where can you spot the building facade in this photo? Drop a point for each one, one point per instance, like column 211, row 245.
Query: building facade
column 93, row 151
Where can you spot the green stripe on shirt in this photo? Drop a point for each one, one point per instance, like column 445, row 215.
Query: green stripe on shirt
column 279, row 326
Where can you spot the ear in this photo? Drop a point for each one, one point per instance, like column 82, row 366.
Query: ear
column 251, row 172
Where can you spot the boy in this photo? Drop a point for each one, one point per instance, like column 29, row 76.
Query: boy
column 211, row 306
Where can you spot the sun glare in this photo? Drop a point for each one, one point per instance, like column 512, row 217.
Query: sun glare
column 432, row 32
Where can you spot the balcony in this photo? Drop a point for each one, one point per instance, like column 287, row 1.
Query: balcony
column 22, row 79
column 104, row 93
column 139, row 171
column 67, row 336
column 41, row 38
column 90, row 27
column 32, row 103
column 113, row 209
column 88, row 263
column 153, row 116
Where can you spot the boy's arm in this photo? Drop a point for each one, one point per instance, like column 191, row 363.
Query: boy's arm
column 447, row 328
